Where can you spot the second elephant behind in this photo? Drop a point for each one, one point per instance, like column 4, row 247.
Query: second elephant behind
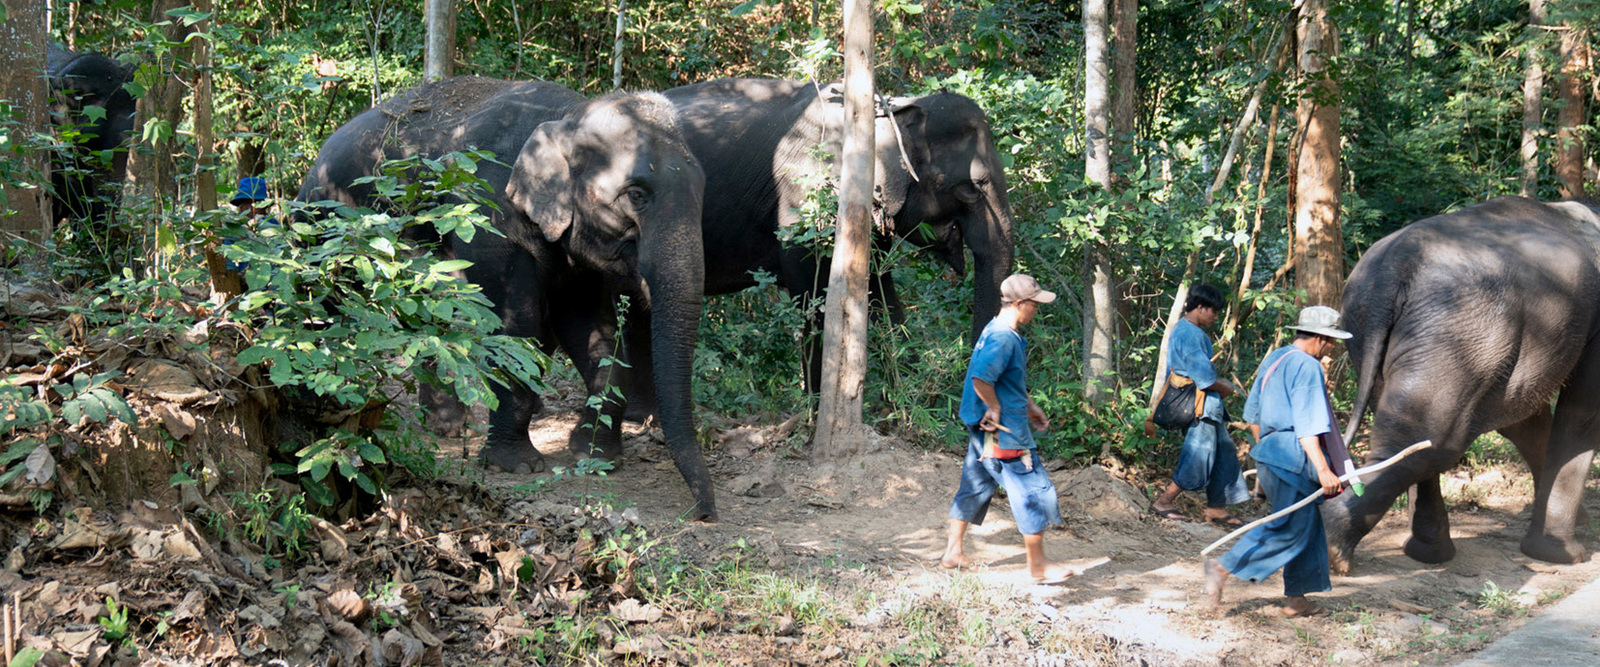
column 764, row 143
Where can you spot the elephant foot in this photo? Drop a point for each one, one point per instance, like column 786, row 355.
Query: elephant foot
column 639, row 411
column 704, row 510
column 1431, row 552
column 605, row 448
column 517, row 458
column 1552, row 549
column 1340, row 559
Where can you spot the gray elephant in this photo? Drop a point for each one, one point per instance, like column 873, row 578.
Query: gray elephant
column 1470, row 322
column 600, row 198
column 86, row 95
column 939, row 183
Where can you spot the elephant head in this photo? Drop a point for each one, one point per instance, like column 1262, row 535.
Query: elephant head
column 87, row 96
column 613, row 184
column 940, row 180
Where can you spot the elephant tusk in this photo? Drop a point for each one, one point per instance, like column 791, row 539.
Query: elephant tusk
column 1425, row 444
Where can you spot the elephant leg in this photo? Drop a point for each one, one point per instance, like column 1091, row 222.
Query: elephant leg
column 521, row 315
column 1430, row 524
column 1558, row 496
column 443, row 413
column 585, row 325
column 636, row 346
column 509, row 448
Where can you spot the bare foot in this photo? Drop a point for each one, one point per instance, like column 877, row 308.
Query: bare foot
column 1299, row 606
column 1052, row 574
column 955, row 562
column 1216, row 577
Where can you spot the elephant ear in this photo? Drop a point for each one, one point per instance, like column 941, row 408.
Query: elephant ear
column 902, row 150
column 541, row 185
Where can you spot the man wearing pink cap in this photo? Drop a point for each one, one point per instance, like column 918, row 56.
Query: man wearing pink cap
column 1000, row 419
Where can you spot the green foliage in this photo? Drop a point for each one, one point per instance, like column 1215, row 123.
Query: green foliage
column 114, row 624
column 37, row 429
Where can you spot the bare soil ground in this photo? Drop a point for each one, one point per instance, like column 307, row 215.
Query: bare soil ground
column 865, row 537
column 811, row 564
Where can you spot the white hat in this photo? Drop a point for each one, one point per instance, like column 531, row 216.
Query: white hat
column 1320, row 320
column 1020, row 287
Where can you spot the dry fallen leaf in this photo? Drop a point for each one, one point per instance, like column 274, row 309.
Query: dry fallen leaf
column 348, row 605
column 632, row 611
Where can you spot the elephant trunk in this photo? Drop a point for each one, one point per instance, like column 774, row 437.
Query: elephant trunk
column 988, row 234
column 673, row 269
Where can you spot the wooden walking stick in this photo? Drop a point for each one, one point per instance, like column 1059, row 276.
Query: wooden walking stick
column 1354, row 474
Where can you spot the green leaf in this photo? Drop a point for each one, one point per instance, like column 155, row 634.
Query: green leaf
column 181, row 478
column 28, row 656
column 450, row 266
column 366, row 484
column 744, row 8
column 318, row 492
column 370, row 452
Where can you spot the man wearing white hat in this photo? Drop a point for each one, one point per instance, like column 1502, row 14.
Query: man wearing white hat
column 1290, row 415
column 1000, row 420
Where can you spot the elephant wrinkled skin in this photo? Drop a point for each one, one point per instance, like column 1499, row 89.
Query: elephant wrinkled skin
column 940, row 183
column 600, row 198
column 1472, row 322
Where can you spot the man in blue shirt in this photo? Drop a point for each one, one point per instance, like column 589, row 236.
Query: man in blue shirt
column 1000, row 419
column 1289, row 413
column 1209, row 460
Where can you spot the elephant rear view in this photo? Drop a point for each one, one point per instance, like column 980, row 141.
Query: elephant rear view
column 596, row 198
column 1466, row 323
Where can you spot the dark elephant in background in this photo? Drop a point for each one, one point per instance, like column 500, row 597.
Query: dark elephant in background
column 87, row 97
column 597, row 198
column 939, row 184
column 1466, row 323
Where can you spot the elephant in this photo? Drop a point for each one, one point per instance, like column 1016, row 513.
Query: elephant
column 600, row 198
column 95, row 158
column 1470, row 322
column 939, row 183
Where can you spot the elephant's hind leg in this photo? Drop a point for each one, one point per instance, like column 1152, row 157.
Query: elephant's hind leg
column 509, row 448
column 1430, row 524
column 1552, row 537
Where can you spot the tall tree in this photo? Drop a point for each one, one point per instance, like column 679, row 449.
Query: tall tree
column 617, row 44
column 160, row 110
column 1124, row 76
column 1319, row 243
column 439, row 59
column 1099, row 311
column 1532, row 96
column 23, row 39
column 225, row 283
column 840, row 433
column 1571, row 90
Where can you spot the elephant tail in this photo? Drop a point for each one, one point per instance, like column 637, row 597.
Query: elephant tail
column 1371, row 326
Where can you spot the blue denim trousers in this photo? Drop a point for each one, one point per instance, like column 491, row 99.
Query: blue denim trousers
column 1031, row 492
column 1295, row 543
column 1209, row 460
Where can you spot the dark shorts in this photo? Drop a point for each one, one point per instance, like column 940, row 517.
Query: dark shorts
column 1031, row 492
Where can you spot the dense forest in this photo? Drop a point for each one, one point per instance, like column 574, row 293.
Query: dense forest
column 1208, row 112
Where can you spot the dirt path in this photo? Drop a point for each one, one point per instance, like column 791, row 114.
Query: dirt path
column 868, row 534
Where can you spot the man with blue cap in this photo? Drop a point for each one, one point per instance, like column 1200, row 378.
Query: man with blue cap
column 253, row 203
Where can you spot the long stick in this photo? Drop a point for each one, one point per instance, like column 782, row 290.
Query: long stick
column 1425, row 444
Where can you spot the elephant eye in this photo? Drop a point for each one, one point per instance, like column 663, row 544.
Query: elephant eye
column 968, row 192
column 637, row 195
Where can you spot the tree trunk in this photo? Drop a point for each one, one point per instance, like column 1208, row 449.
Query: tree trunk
column 1532, row 95
column 225, row 283
column 840, row 433
column 440, row 56
column 24, row 38
column 1099, row 312
column 1572, row 89
column 616, row 45
column 150, row 164
column 1124, row 70
column 1320, row 245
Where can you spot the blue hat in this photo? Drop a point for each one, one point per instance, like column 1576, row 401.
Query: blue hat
column 251, row 189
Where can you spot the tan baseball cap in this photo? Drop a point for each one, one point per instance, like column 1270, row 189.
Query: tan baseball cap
column 1021, row 287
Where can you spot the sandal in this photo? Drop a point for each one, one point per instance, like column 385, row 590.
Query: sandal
column 1170, row 515
column 1226, row 521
